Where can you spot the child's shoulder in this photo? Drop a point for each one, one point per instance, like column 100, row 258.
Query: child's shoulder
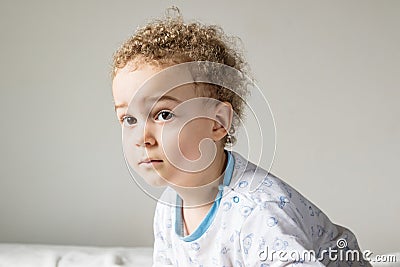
column 251, row 179
column 264, row 191
column 269, row 201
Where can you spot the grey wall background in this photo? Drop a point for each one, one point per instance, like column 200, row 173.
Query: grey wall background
column 330, row 70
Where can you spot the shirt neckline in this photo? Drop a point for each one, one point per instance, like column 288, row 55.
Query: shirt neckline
column 208, row 219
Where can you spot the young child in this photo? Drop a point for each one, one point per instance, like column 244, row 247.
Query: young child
column 174, row 135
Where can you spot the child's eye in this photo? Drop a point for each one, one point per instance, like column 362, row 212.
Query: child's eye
column 164, row 115
column 128, row 120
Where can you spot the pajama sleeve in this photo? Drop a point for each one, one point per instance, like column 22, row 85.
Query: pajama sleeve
column 271, row 238
column 287, row 234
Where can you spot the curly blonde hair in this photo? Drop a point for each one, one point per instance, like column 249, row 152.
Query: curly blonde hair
column 169, row 41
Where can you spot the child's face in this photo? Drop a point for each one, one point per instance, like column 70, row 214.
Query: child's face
column 161, row 138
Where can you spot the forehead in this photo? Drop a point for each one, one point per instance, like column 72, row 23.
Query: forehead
column 143, row 83
column 127, row 81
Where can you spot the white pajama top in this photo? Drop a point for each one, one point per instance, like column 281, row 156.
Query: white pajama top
column 256, row 220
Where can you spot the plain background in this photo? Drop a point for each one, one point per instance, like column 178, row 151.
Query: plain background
column 329, row 69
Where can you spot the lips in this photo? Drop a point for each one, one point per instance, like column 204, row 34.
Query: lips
column 150, row 161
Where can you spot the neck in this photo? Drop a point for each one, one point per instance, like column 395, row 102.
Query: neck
column 205, row 192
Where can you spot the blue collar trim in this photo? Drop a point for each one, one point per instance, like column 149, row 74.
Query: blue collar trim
column 201, row 229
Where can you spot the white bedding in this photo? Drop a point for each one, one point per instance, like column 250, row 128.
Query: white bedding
column 27, row 255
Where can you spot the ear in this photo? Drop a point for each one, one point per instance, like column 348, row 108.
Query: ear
column 223, row 120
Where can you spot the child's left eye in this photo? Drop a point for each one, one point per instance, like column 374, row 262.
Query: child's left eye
column 164, row 115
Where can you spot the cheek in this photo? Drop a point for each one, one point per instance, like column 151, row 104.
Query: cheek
column 130, row 152
column 191, row 136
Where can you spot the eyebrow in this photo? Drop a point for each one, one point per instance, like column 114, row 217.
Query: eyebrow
column 162, row 98
column 120, row 106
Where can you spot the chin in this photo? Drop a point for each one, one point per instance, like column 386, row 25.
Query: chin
column 156, row 181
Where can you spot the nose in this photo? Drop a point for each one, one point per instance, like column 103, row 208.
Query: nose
column 146, row 136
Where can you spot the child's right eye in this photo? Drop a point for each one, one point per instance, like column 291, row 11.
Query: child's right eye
column 128, row 120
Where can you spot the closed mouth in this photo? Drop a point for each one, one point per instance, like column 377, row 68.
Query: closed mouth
column 148, row 161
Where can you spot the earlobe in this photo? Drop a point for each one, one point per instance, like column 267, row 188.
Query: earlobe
column 223, row 120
